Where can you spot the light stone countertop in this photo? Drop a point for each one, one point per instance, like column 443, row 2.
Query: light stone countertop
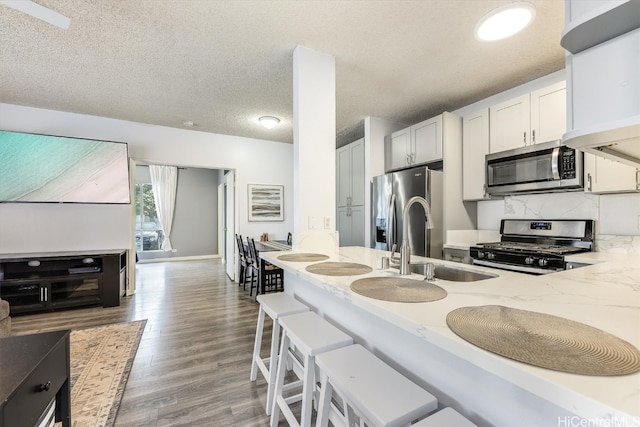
column 605, row 295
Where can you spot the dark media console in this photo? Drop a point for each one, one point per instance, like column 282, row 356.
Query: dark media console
column 51, row 281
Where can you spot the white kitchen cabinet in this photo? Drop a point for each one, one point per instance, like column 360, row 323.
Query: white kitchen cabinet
column 475, row 146
column 350, row 192
column 549, row 113
column 509, row 124
column 607, row 176
column 539, row 116
column 416, row 145
column 399, row 153
column 350, row 225
column 426, row 141
column 350, row 174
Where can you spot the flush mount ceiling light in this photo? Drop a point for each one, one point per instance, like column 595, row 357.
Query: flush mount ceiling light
column 269, row 121
column 505, row 21
column 38, row 11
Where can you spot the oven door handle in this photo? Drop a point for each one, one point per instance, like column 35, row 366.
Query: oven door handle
column 555, row 166
column 512, row 267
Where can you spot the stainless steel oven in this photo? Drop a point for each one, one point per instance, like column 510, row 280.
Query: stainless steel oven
column 536, row 246
column 550, row 166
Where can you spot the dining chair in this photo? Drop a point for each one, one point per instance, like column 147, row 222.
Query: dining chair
column 273, row 276
column 243, row 262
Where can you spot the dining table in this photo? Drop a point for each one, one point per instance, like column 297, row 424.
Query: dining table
column 268, row 246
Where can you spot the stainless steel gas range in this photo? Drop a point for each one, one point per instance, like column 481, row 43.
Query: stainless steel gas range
column 535, row 246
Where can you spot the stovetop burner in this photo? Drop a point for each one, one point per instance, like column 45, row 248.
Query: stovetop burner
column 535, row 246
column 532, row 247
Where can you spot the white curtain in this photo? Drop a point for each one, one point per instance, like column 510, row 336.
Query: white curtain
column 164, row 180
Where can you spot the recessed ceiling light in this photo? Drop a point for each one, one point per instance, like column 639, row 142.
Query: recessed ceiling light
column 269, row 122
column 188, row 123
column 505, row 21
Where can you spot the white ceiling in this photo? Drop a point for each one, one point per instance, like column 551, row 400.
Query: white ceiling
column 222, row 64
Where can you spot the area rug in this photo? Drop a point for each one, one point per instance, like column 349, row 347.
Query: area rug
column 101, row 359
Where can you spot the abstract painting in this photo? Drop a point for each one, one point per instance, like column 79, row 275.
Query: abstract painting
column 266, row 202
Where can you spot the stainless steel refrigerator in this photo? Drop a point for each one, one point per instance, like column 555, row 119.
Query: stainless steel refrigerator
column 391, row 192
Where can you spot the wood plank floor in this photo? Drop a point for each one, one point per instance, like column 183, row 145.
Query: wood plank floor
column 192, row 366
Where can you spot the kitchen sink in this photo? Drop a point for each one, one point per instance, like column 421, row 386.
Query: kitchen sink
column 451, row 274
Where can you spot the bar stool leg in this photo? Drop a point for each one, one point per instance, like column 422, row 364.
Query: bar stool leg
column 324, row 404
column 284, row 355
column 308, row 388
column 273, row 364
column 257, row 345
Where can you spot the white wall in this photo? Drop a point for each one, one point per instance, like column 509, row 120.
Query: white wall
column 67, row 227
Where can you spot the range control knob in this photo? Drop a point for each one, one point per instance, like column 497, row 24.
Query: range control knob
column 542, row 262
column 490, row 255
column 529, row 260
column 480, row 254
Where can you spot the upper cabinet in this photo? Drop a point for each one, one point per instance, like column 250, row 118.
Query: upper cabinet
column 549, row 113
column 509, row 124
column 475, row 146
column 350, row 174
column 607, row 176
column 603, row 73
column 539, row 116
column 350, row 183
column 415, row 145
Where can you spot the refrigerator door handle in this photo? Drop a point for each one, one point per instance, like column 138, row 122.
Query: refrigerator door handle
column 391, row 223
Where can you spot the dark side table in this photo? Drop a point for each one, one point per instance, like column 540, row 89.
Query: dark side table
column 34, row 369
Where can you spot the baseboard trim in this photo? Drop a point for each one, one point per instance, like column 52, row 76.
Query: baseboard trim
column 179, row 258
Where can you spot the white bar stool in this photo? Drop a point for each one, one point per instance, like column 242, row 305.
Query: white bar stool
column 448, row 417
column 311, row 335
column 275, row 306
column 370, row 389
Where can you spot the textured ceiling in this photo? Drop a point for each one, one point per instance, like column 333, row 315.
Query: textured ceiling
column 222, row 64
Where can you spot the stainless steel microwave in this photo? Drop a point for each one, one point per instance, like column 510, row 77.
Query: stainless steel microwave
column 549, row 166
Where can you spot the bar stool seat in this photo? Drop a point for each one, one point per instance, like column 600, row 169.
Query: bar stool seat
column 275, row 306
column 370, row 388
column 311, row 335
column 447, row 417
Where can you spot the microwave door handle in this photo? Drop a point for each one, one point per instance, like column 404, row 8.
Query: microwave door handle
column 555, row 167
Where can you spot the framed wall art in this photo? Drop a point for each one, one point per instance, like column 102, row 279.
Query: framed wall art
column 266, row 202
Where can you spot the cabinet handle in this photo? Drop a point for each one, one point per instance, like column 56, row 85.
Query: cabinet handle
column 533, row 136
column 637, row 179
column 41, row 294
column 46, row 294
column 46, row 386
column 588, row 182
column 408, row 159
column 524, row 137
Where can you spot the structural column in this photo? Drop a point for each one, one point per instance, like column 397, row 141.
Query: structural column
column 314, row 139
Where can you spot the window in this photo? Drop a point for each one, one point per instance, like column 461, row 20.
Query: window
column 149, row 235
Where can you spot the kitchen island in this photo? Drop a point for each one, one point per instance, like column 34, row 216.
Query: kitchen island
column 488, row 388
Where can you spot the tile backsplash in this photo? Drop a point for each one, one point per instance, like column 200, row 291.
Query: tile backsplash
column 617, row 215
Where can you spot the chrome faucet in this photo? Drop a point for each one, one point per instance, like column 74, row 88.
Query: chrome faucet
column 405, row 248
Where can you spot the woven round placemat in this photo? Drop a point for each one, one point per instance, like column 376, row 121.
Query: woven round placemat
column 303, row 257
column 544, row 340
column 397, row 289
column 339, row 268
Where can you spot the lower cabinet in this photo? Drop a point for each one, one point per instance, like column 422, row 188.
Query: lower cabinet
column 50, row 282
column 350, row 224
